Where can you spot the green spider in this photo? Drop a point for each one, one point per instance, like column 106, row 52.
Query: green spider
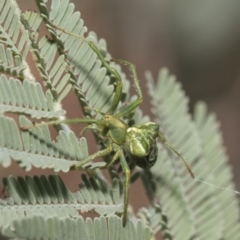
column 139, row 141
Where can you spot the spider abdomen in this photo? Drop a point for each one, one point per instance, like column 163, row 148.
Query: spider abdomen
column 141, row 144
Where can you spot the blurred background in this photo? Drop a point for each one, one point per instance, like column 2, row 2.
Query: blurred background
column 199, row 41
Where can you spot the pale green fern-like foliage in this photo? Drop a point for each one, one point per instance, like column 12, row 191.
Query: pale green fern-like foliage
column 43, row 207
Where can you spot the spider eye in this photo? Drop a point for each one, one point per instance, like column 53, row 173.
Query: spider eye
column 107, row 116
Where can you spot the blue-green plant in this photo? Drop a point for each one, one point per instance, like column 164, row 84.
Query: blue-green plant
column 42, row 207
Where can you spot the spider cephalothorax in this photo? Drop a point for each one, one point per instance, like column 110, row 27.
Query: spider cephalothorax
column 115, row 129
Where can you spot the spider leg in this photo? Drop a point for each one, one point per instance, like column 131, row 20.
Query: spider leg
column 115, row 157
column 114, row 72
column 67, row 121
column 105, row 63
column 100, row 153
column 89, row 127
column 126, row 186
column 165, row 142
column 131, row 108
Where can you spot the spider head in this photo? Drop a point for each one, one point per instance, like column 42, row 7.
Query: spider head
column 141, row 144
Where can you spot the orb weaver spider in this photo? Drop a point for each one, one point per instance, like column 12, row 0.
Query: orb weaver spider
column 139, row 141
